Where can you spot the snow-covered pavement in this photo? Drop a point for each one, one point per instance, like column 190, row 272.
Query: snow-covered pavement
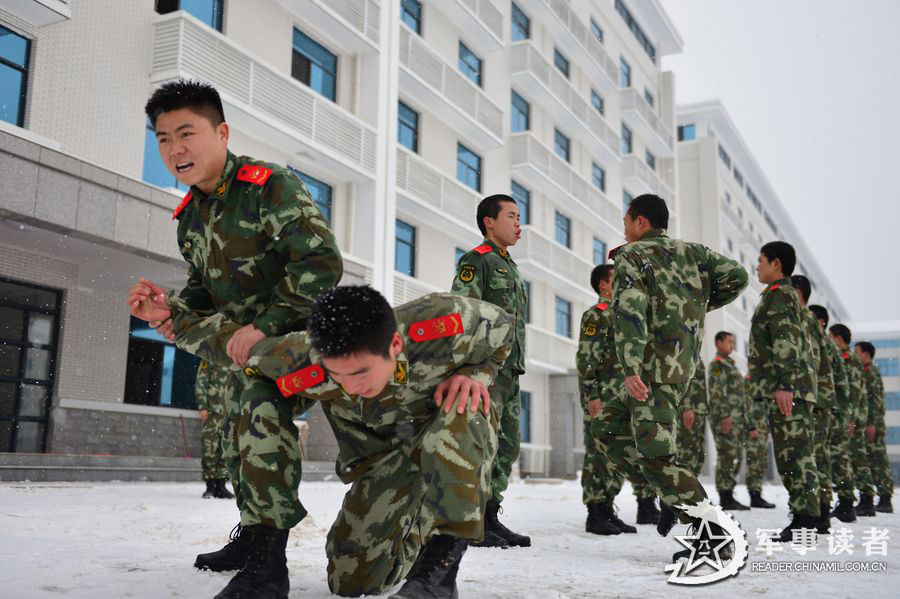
column 111, row 540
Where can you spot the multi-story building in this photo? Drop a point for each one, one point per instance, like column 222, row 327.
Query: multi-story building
column 400, row 115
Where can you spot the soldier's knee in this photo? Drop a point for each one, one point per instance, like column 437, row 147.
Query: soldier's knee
column 654, row 432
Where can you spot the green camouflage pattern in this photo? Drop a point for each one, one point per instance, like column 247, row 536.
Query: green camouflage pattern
column 823, row 421
column 663, row 289
column 727, row 400
column 881, row 464
column 842, row 477
column 825, row 389
column 757, row 450
column 793, row 437
column 211, row 387
column 509, row 408
column 859, row 447
column 692, row 441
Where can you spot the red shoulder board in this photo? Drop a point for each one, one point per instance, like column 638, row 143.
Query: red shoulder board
column 483, row 249
column 300, row 380
column 436, row 328
column 718, row 358
column 775, row 286
column 182, row 205
column 602, row 306
column 254, row 174
column 846, row 355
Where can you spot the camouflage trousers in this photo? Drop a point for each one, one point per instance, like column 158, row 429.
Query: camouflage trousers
column 639, row 439
column 692, row 443
column 823, row 421
column 793, row 437
column 728, row 455
column 881, row 465
column 859, row 458
column 600, row 480
column 505, row 399
column 436, row 483
column 842, row 478
column 211, row 462
column 757, row 455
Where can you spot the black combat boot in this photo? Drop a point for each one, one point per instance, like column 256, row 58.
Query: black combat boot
column 756, row 500
column 232, row 556
column 647, row 512
column 433, row 576
column 865, row 507
column 798, row 521
column 210, row 491
column 844, row 510
column 728, row 502
column 221, row 491
column 492, row 524
column 884, row 505
column 667, row 519
column 599, row 521
column 614, row 518
column 823, row 524
column 265, row 575
column 702, row 545
column 491, row 536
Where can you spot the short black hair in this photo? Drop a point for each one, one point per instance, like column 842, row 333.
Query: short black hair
column 352, row 320
column 199, row 96
column 651, row 207
column 784, row 252
column 723, row 335
column 802, row 283
column 820, row 312
column 601, row 272
column 840, row 330
column 866, row 348
column 490, row 206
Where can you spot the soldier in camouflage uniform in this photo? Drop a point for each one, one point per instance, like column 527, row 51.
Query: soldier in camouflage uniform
column 258, row 253
column 875, row 428
column 600, row 377
column 663, row 289
column 691, row 435
column 757, row 449
column 858, row 448
column 489, row 273
column 727, row 417
column 388, row 381
column 211, row 387
column 783, row 383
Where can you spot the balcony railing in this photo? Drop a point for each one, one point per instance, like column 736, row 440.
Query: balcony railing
column 407, row 289
column 639, row 176
column 641, row 116
column 480, row 19
column 419, row 179
column 558, row 353
column 731, row 214
column 562, row 262
column 354, row 24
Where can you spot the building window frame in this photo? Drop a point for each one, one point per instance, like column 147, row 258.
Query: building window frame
column 520, row 24
column 314, row 65
column 405, row 236
column 468, row 167
column 561, row 62
column 596, row 30
column 470, row 64
column 525, row 417
column 214, row 16
column 624, row 73
column 411, row 13
column 322, row 194
column 598, row 176
column 520, row 113
column 522, row 196
column 627, row 142
column 563, row 317
column 562, row 229
column 21, row 66
column 597, row 102
column 600, row 251
column 407, row 127
column 562, row 145
column 687, row 132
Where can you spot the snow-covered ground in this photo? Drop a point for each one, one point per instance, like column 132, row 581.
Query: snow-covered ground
column 139, row 540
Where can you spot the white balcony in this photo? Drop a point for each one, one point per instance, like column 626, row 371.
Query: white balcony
column 541, row 168
column 353, row 24
column 263, row 102
column 479, row 20
column 447, row 93
column 751, row 240
column 576, row 39
column 542, row 258
column 642, row 119
column 730, row 212
column 407, row 289
column 546, row 352
column 38, row 12
column 640, row 178
column 540, row 81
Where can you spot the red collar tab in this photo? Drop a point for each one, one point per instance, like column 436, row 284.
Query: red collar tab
column 718, row 358
column 436, row 328
column 866, row 367
column 300, row 380
column 615, row 250
column 184, row 202
column 258, row 175
column 602, row 306
column 846, row 355
column 775, row 286
column 483, row 249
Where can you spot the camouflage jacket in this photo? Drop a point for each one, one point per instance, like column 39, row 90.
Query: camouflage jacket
column 875, row 395
column 841, row 407
column 257, row 248
column 695, row 397
column 822, row 363
column 490, row 274
column 212, row 385
column 663, row 288
column 781, row 357
column 598, row 369
column 858, row 396
column 443, row 334
column 726, row 393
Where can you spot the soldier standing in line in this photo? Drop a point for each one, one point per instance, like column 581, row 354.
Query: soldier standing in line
column 211, row 387
column 757, row 449
column 875, row 428
column 691, row 435
column 727, row 417
column 662, row 291
column 859, row 455
column 489, row 273
column 258, row 253
column 783, row 383
column 600, row 377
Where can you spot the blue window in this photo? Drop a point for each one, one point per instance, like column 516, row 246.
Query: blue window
column 597, row 102
column 208, row 11
column 15, row 52
column 523, row 198
column 738, row 177
column 525, row 417
column 636, row 30
column 563, row 229
column 469, row 64
column 457, row 254
column 687, row 132
column 626, row 140
column 599, row 251
column 563, row 317
column 319, row 191
column 313, row 64
column 405, row 249
column 407, row 127
column 561, row 62
column 157, row 373
column 892, row 400
column 596, row 31
column 650, row 159
column 626, row 201
column 527, row 302
column 888, row 366
column 411, row 14
column 624, row 73
column 892, row 435
column 886, row 343
column 521, row 24
column 649, row 97
column 598, row 177
column 520, row 114
column 468, row 167
column 155, row 171
column 561, row 145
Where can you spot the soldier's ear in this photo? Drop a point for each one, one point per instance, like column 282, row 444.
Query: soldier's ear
column 396, row 346
column 223, row 132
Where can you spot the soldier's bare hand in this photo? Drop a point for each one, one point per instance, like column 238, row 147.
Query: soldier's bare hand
column 754, row 434
column 467, row 391
column 203, row 415
column 726, row 425
column 870, row 434
column 636, row 387
column 852, row 428
column 594, row 406
column 240, row 344
column 165, row 329
column 785, row 401
column 688, row 419
column 147, row 301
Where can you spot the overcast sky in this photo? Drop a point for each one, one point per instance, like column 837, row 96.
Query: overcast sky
column 814, row 88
